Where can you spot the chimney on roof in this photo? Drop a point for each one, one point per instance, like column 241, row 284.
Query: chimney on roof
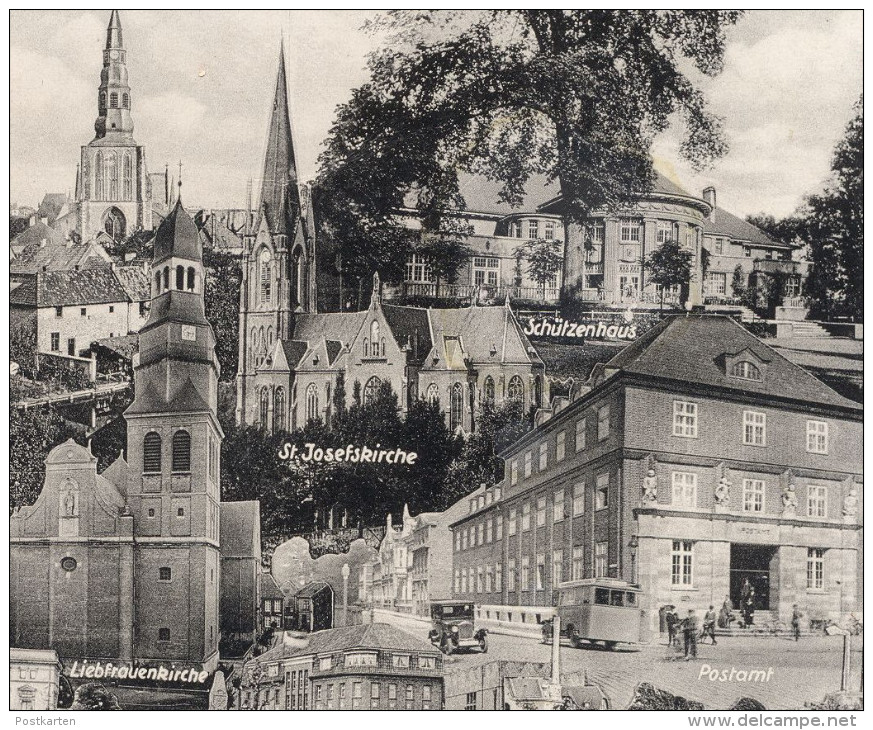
column 709, row 196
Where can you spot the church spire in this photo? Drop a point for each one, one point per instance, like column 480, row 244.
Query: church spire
column 279, row 197
column 113, row 100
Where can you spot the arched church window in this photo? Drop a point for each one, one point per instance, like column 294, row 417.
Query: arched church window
column 99, row 173
column 128, row 178
column 254, row 346
column 151, row 453
column 113, row 100
column 112, row 176
column 125, row 100
column 166, row 277
column 157, row 282
column 279, row 409
column 371, row 390
column 262, row 348
column 191, row 277
column 115, row 224
column 456, row 411
column 382, row 344
column 181, row 451
column 515, row 391
column 538, row 392
column 489, row 390
column 433, row 394
column 180, row 278
column 265, row 276
column 265, row 407
column 312, row 402
column 374, row 339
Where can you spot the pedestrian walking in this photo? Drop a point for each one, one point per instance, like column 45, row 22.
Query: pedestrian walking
column 795, row 622
column 691, row 627
column 709, row 626
column 726, row 615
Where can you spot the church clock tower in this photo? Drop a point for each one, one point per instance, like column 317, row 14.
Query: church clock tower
column 174, row 444
column 112, row 189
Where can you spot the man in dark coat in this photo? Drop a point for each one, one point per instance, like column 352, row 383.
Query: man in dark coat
column 691, row 627
column 709, row 625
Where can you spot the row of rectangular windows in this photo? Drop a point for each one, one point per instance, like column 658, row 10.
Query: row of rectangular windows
column 683, row 494
column 603, row 428
column 488, row 578
column 481, row 532
column 324, row 700
column 685, row 424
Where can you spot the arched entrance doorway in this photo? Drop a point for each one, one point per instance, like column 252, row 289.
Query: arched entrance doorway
column 115, row 224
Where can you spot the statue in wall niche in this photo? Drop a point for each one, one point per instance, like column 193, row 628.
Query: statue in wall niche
column 70, row 503
column 789, row 500
column 850, row 503
column 650, row 486
column 723, row 491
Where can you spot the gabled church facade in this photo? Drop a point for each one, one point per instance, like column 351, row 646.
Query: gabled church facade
column 126, row 564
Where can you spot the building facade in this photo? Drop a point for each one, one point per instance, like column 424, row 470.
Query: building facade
column 603, row 258
column 365, row 667
column 126, row 564
column 700, row 459
column 34, row 679
column 113, row 188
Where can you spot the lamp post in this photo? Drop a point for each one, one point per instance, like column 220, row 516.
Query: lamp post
column 632, row 546
column 346, row 572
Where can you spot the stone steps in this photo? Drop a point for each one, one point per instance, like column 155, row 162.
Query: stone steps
column 809, row 329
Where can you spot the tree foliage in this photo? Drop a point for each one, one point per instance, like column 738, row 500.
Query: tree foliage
column 575, row 95
column 669, row 265
column 32, row 434
column 544, row 259
column 296, row 496
column 94, row 696
column 834, row 228
column 222, row 300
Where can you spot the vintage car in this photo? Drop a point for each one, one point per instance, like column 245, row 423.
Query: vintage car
column 600, row 612
column 454, row 627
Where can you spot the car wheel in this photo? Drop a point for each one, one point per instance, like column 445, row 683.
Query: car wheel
column 483, row 645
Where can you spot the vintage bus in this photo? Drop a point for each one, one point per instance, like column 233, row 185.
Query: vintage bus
column 600, row 612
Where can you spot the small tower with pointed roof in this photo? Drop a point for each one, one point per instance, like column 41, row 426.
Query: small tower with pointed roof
column 174, row 445
column 112, row 187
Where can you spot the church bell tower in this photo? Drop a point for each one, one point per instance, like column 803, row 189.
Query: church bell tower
column 113, row 195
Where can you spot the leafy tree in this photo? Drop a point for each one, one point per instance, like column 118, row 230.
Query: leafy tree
column 22, row 344
column 739, row 281
column 544, row 259
column 575, row 95
column 790, row 229
column 94, row 696
column 221, row 297
column 17, row 225
column 445, row 256
column 669, row 265
column 497, row 428
column 139, row 242
column 834, row 226
column 32, row 434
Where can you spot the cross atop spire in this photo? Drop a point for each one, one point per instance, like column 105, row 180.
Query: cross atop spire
column 279, row 197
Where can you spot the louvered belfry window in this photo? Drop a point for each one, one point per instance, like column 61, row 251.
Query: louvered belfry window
column 181, row 451
column 151, row 452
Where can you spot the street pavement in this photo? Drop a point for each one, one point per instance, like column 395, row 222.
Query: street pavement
column 803, row 671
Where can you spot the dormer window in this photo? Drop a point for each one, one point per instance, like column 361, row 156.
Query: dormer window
column 746, row 370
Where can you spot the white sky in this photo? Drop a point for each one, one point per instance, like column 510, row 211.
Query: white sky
column 202, row 84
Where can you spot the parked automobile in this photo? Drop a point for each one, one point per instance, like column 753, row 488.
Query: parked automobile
column 454, row 627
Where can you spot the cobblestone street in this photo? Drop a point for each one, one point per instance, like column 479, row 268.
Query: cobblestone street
column 803, row 671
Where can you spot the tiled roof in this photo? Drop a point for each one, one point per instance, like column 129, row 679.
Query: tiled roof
column 340, row 326
column 691, row 349
column 125, row 345
column 55, row 254
column 267, row 586
column 722, row 223
column 294, row 351
column 135, row 281
column 312, row 588
column 51, row 206
column 408, row 324
column 177, row 236
column 185, row 399
column 240, row 529
column 69, row 288
column 362, row 636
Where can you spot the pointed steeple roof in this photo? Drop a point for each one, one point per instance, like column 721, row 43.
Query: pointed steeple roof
column 279, row 202
column 113, row 32
column 177, row 236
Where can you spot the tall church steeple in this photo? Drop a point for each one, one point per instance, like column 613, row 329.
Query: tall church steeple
column 280, row 201
column 113, row 96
